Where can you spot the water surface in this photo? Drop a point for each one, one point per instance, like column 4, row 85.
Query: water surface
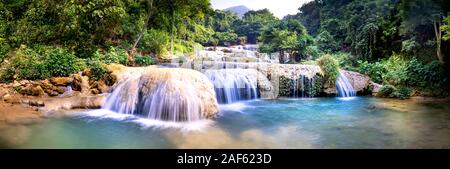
column 360, row 122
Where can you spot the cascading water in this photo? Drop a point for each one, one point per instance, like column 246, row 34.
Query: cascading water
column 302, row 87
column 344, row 87
column 164, row 94
column 232, row 85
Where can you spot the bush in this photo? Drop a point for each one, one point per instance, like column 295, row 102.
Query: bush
column 143, row 60
column 116, row 55
column 4, row 49
column 329, row 67
column 403, row 93
column 396, row 71
column 98, row 69
column 386, row 91
column 312, row 52
column 40, row 62
column 374, row 70
column 346, row 60
column 390, row 91
column 25, row 63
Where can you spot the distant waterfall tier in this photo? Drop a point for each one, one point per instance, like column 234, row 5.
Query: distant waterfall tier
column 233, row 85
column 344, row 87
column 300, row 86
column 164, row 94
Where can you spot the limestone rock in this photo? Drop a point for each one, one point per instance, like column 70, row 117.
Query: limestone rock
column 102, row 87
column 81, row 83
column 178, row 83
column 32, row 90
column 61, row 81
column 375, row 87
column 177, row 90
column 359, row 81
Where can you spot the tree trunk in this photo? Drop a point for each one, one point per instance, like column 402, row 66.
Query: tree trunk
column 171, row 32
column 438, row 34
column 136, row 42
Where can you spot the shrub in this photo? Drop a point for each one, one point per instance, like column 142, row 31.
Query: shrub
column 25, row 63
column 346, row 60
column 60, row 62
column 143, row 60
column 403, row 93
column 116, row 55
column 329, row 67
column 374, row 70
column 4, row 49
column 40, row 62
column 98, row 68
column 312, row 52
column 386, row 91
column 396, row 70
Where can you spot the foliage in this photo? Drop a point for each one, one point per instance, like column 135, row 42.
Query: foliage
column 253, row 22
column 326, row 42
column 403, row 93
column 97, row 68
column 286, row 36
column 412, row 73
column 60, row 62
column 374, row 70
column 115, row 55
column 40, row 62
column 155, row 41
column 312, row 52
column 446, row 28
column 144, row 60
column 330, row 68
column 309, row 16
column 386, row 91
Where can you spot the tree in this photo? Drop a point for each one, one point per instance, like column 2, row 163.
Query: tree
column 309, row 15
column 417, row 13
column 287, row 36
column 175, row 16
column 150, row 10
column 253, row 22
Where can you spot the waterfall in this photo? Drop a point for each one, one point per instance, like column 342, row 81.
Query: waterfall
column 344, row 87
column 232, row 85
column 302, row 87
column 163, row 94
column 67, row 92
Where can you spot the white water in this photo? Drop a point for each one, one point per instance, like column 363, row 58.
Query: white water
column 302, row 87
column 68, row 91
column 232, row 85
column 167, row 100
column 344, row 87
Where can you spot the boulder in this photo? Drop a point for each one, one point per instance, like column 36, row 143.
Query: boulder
column 360, row 82
column 102, row 87
column 61, row 81
column 375, row 87
column 50, row 89
column 81, row 83
column 181, row 94
column 184, row 87
column 32, row 90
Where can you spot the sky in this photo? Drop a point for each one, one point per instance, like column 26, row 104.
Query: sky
column 279, row 8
